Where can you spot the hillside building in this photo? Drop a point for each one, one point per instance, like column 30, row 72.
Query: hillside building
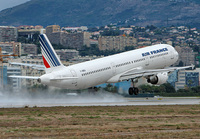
column 29, row 71
column 187, row 79
column 75, row 29
column 52, row 29
column 66, row 54
column 29, row 49
column 186, row 55
column 184, row 78
column 10, row 83
column 8, row 34
column 69, row 40
column 116, row 42
column 11, row 47
column 29, row 31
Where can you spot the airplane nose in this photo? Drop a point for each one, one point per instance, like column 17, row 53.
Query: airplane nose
column 176, row 55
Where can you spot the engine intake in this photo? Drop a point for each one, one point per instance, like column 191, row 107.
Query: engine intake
column 159, row 79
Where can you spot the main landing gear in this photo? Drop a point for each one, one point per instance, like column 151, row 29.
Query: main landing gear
column 92, row 89
column 133, row 90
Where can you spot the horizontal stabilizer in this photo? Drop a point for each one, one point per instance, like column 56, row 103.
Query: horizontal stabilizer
column 24, row 77
column 34, row 66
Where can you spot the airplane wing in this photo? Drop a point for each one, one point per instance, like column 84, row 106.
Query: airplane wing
column 34, row 66
column 137, row 73
column 140, row 72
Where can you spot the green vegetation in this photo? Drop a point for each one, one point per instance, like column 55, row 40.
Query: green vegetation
column 111, row 88
column 110, row 33
column 164, row 88
column 169, row 91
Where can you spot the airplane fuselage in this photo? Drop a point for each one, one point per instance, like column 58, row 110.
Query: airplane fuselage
column 107, row 69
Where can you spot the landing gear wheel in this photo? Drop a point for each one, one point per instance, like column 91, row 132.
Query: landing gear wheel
column 136, row 91
column 133, row 90
column 95, row 89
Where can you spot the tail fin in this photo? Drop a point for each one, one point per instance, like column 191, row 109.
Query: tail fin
column 50, row 58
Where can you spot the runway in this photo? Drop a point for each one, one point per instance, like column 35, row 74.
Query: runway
column 103, row 99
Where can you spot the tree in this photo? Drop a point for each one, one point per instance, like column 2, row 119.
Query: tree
column 164, row 88
column 110, row 33
column 196, row 48
column 128, row 48
column 168, row 88
column 93, row 29
column 180, row 64
column 151, row 27
column 111, row 88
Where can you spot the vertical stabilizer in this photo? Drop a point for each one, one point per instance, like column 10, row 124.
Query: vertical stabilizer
column 50, row 58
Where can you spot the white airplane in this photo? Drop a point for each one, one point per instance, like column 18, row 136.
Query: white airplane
column 150, row 62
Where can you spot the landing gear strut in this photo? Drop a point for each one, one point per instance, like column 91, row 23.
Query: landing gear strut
column 133, row 90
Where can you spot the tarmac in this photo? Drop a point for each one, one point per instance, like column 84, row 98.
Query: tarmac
column 101, row 99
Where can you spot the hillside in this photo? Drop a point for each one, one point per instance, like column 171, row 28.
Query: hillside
column 102, row 12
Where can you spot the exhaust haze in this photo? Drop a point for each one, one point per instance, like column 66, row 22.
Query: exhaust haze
column 53, row 98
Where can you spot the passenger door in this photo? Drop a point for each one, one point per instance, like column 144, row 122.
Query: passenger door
column 74, row 81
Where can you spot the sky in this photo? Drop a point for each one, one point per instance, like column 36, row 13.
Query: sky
column 10, row 3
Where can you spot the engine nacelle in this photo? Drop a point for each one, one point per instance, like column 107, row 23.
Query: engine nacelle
column 159, row 79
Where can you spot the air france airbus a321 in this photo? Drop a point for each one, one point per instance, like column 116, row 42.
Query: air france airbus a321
column 150, row 62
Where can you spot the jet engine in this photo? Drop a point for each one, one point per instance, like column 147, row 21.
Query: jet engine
column 159, row 79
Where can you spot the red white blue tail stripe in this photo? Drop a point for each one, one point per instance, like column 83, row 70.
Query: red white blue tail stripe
column 50, row 58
